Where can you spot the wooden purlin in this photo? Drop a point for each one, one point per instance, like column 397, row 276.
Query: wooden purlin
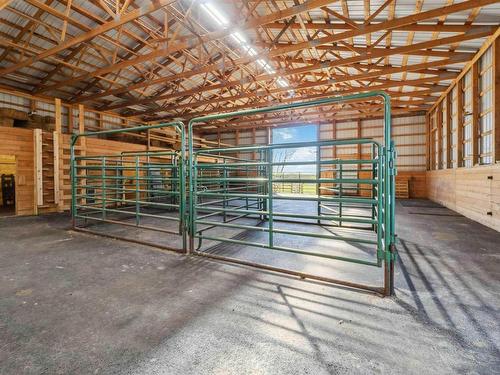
column 307, row 69
column 378, row 72
column 148, row 8
column 312, row 4
column 296, row 28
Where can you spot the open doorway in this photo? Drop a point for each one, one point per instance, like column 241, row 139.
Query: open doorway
column 294, row 174
column 7, row 185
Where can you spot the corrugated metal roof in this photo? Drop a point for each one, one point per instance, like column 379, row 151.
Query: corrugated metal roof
column 148, row 28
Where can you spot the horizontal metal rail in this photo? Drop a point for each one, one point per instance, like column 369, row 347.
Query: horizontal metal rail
column 133, row 185
column 342, row 179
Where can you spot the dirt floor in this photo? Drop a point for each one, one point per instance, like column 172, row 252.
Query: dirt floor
column 72, row 303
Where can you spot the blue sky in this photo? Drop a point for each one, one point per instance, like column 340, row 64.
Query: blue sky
column 296, row 134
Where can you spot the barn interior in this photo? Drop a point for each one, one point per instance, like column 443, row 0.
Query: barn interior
column 249, row 186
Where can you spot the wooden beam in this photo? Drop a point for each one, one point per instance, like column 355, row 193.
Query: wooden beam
column 475, row 114
column 83, row 145
column 386, row 25
column 344, row 26
column 439, row 124
column 369, row 54
column 57, row 137
column 58, row 115
column 56, row 166
column 377, row 12
column 316, row 117
column 334, row 80
column 192, row 43
column 123, row 19
column 81, row 118
column 428, row 140
column 263, row 93
column 496, row 101
column 448, row 131
column 489, row 42
column 4, row 3
column 38, row 162
column 460, row 123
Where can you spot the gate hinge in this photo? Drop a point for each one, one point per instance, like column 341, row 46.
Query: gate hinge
column 394, row 252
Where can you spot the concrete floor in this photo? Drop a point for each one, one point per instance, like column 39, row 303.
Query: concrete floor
column 72, row 303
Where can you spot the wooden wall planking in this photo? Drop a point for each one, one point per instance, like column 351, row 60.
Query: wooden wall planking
column 417, row 182
column 93, row 147
column 473, row 192
column 19, row 143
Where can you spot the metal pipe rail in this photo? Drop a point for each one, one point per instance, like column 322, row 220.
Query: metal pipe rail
column 380, row 187
column 202, row 207
column 131, row 188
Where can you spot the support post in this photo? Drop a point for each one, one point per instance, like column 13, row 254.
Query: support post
column 448, row 130
column 460, row 123
column 439, row 135
column 57, row 153
column 38, row 169
column 475, row 114
column 496, row 101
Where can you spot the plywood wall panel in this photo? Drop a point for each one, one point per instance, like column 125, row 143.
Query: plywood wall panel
column 19, row 143
column 473, row 192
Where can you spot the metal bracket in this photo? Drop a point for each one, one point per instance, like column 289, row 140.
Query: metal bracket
column 394, row 252
column 392, row 159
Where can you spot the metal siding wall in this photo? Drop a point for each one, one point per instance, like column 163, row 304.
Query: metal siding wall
column 408, row 134
column 347, row 130
column 14, row 102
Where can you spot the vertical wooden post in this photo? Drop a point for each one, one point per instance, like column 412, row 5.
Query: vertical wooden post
column 448, row 130
column 358, row 135
column 38, row 178
column 358, row 152
column 254, row 140
column 432, row 139
column 439, row 126
column 428, row 140
column 460, row 123
column 334, row 136
column 57, row 151
column 70, row 120
column 83, row 144
column 32, row 105
column 81, row 119
column 475, row 113
column 496, row 101
column 58, row 115
column 56, row 145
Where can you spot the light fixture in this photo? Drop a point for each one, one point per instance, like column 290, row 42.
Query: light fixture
column 215, row 14
column 240, row 39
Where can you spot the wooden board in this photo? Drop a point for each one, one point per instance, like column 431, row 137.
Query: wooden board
column 19, row 143
column 473, row 192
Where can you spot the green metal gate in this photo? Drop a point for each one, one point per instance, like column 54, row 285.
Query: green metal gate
column 143, row 190
column 227, row 186
column 227, row 191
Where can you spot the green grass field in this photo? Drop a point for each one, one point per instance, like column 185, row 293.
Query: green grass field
column 296, row 187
